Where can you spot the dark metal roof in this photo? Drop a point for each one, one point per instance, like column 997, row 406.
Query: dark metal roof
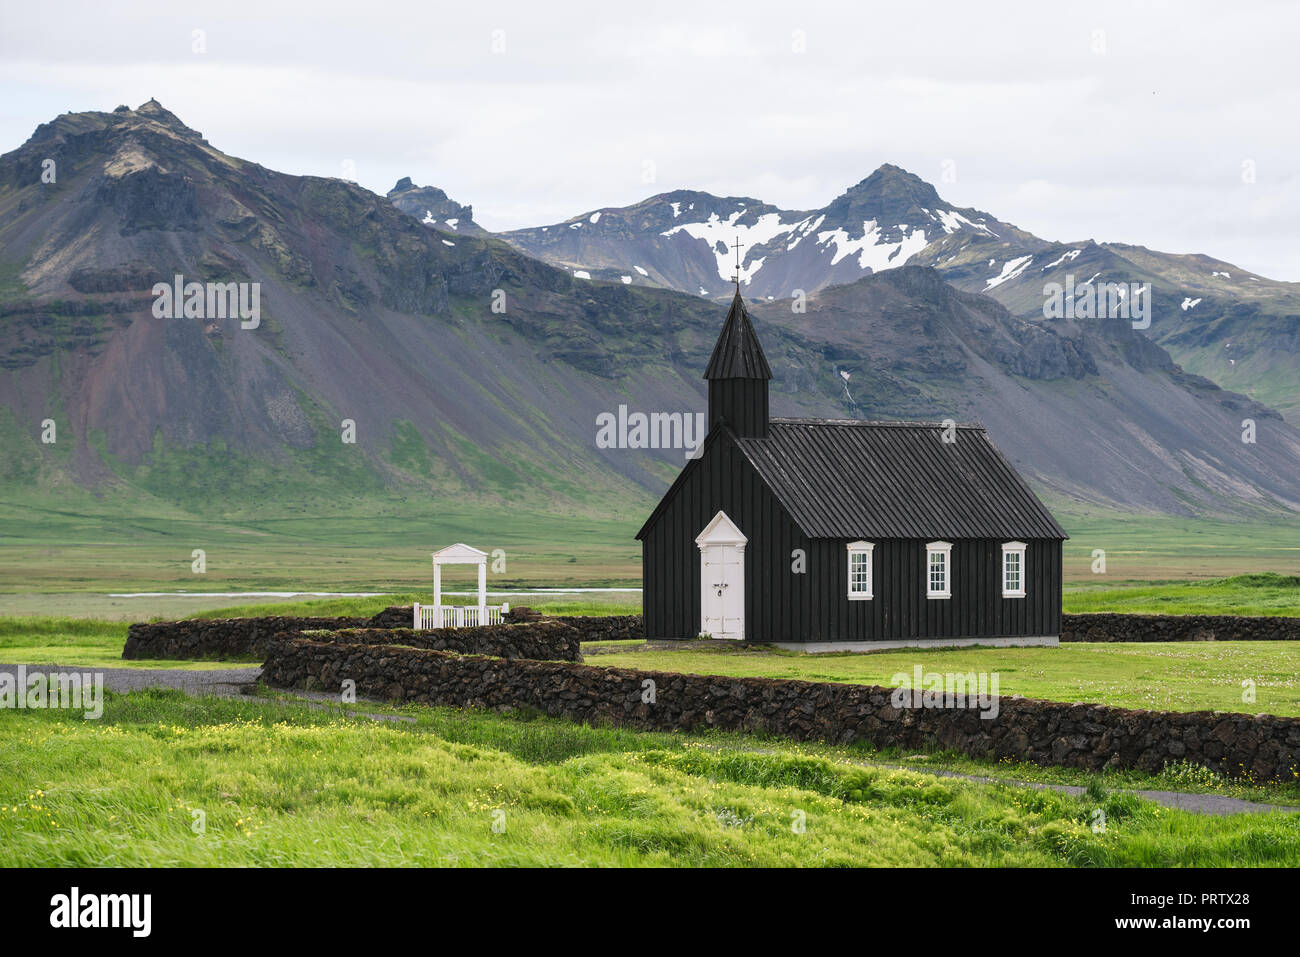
column 738, row 354
column 855, row 479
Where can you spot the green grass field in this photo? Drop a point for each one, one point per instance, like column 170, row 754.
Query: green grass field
column 88, row 546
column 1266, row 593
column 1174, row 676
column 275, row 783
column 284, row 783
column 90, row 630
column 1160, row 547
column 76, row 642
column 76, row 543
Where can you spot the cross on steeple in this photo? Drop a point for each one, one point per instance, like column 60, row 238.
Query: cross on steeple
column 737, row 246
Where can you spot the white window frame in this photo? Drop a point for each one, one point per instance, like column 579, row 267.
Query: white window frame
column 866, row 549
column 944, row 549
column 1013, row 548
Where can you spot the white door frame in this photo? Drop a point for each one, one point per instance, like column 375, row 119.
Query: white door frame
column 724, row 542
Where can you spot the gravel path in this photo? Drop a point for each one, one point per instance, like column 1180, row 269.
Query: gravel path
column 231, row 682
column 219, row 681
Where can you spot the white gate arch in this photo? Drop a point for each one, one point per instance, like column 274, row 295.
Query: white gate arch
column 459, row 616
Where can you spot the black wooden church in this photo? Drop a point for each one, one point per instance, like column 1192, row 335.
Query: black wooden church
column 812, row 532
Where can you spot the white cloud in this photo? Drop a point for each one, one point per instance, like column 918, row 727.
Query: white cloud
column 1141, row 144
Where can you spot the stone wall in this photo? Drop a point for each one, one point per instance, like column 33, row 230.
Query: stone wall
column 238, row 637
column 247, row 637
column 394, row 616
column 1116, row 627
column 543, row 640
column 1091, row 627
column 606, row 627
column 1045, row 732
column 591, row 627
column 220, row 637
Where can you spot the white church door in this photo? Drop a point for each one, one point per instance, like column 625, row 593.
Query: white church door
column 722, row 579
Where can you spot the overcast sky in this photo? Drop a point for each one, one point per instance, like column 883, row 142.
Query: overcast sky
column 1128, row 122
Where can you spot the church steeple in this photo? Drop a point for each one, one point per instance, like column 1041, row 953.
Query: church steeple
column 738, row 376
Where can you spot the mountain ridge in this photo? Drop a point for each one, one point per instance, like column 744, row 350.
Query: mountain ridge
column 892, row 217
column 372, row 318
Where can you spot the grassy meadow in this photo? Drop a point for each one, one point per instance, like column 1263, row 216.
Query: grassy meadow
column 167, row 780
column 1265, row 593
column 90, row 546
column 89, row 630
column 1173, row 676
column 280, row 781
column 377, row 546
column 1162, row 547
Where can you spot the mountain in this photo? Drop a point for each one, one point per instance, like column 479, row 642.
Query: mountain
column 1239, row 329
column 1093, row 410
column 369, row 317
column 1216, row 319
column 683, row 240
column 366, row 315
column 433, row 207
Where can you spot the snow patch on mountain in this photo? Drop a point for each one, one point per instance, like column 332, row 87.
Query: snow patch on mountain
column 873, row 251
column 720, row 233
column 953, row 222
column 1010, row 270
column 429, row 220
column 1065, row 256
column 803, row 229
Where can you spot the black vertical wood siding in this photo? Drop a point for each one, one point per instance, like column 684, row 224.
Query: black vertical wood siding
column 741, row 403
column 781, row 605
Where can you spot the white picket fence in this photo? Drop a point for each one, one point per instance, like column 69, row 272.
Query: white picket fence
column 458, row 616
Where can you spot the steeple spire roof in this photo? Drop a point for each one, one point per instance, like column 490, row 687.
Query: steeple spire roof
column 738, row 354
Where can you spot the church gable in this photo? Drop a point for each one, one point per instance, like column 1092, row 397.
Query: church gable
column 720, row 455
